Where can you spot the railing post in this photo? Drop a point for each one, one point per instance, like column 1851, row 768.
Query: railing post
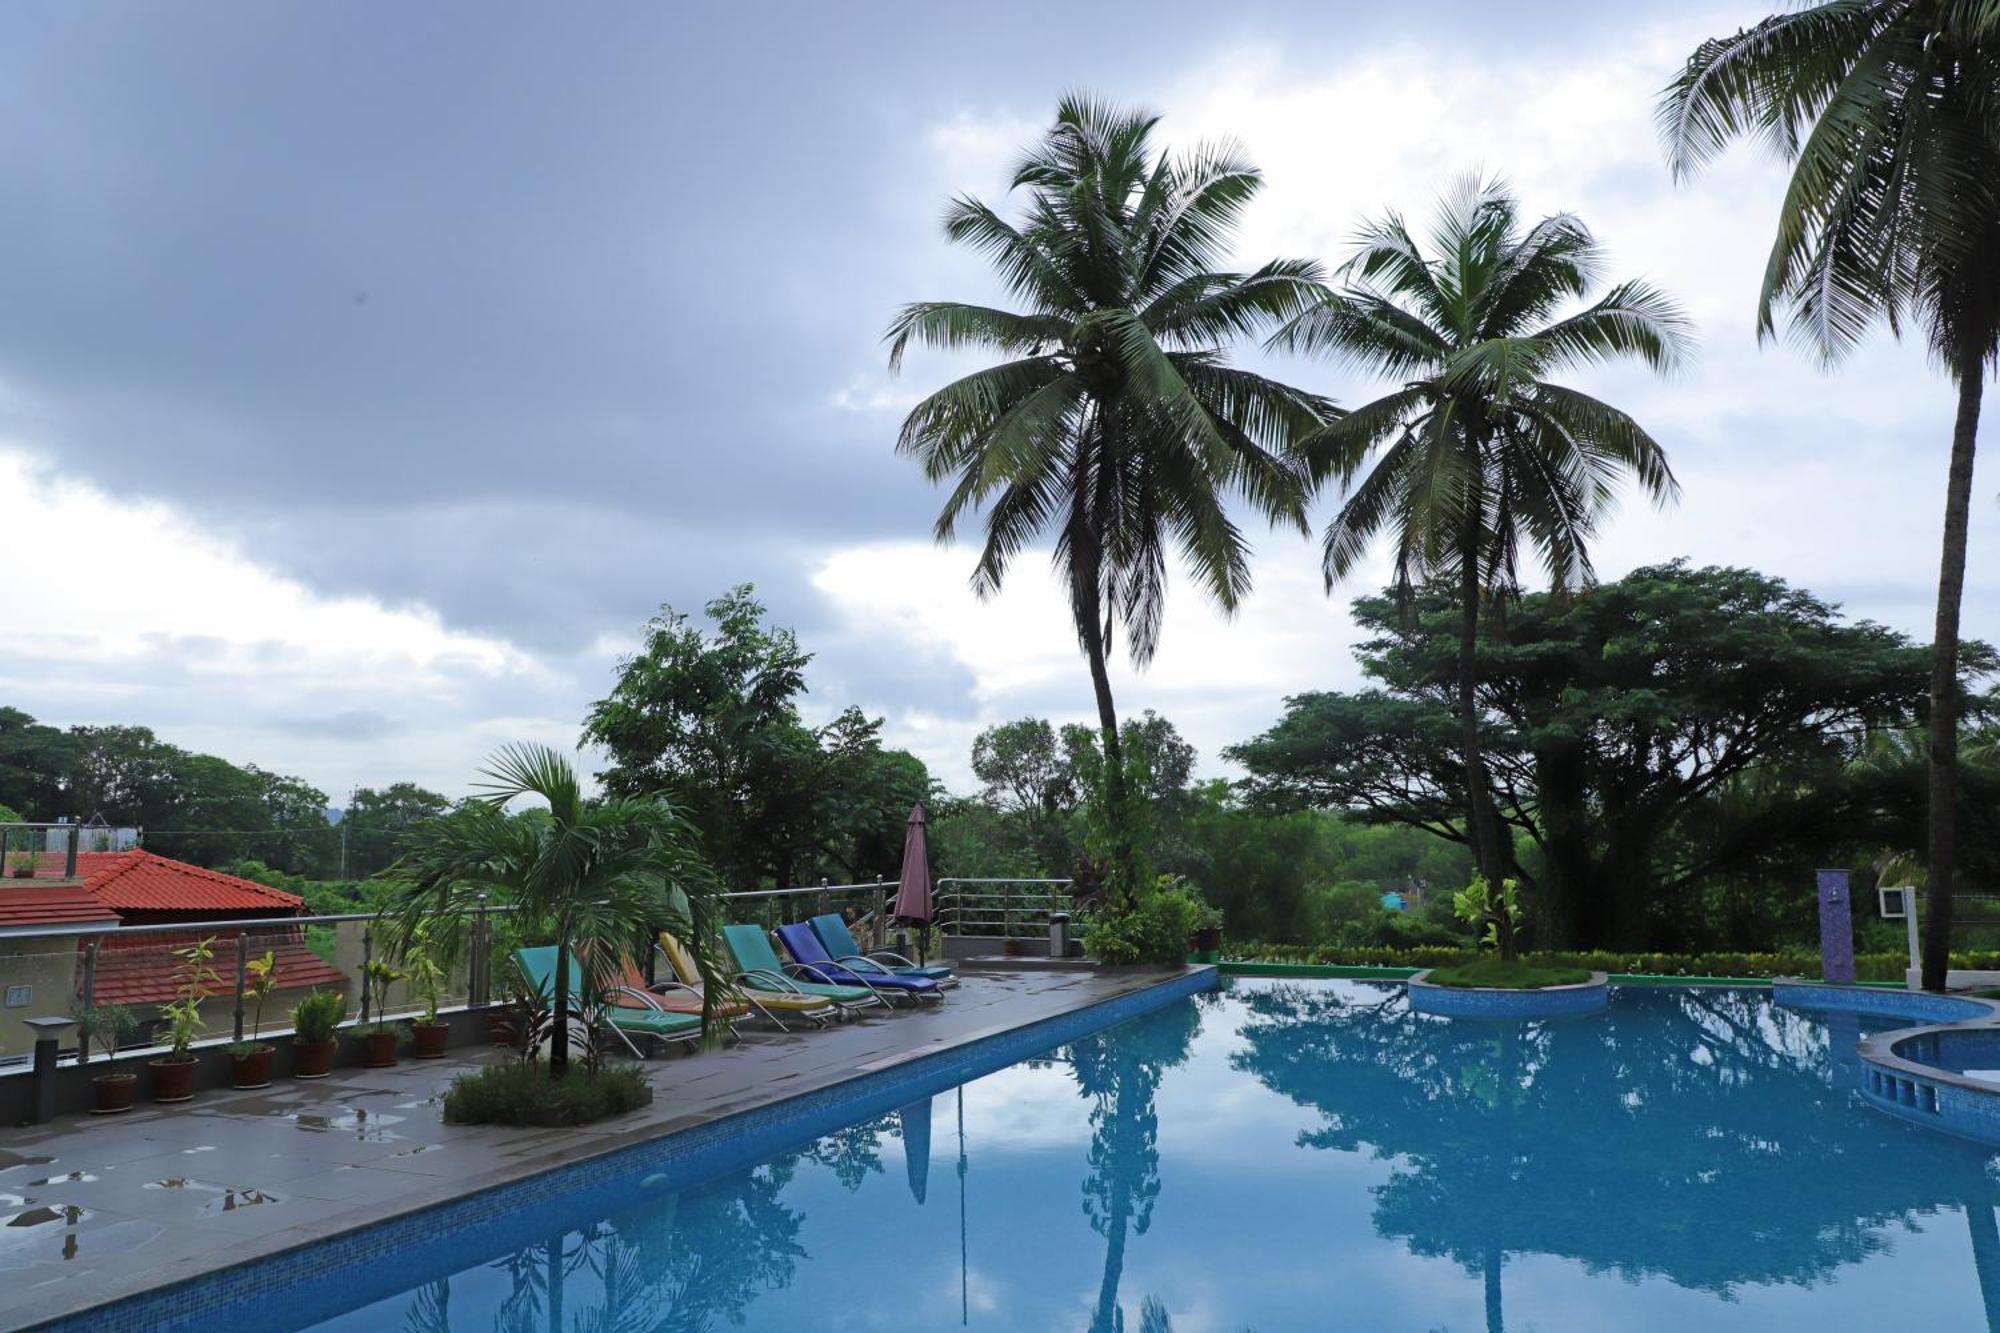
column 89, row 999
column 476, row 981
column 820, row 899
column 367, row 957
column 242, row 967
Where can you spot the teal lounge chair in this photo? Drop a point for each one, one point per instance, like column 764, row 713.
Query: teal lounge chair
column 839, row 941
column 647, row 1020
column 756, row 962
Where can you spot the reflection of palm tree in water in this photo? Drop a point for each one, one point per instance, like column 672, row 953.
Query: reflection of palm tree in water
column 1683, row 1115
column 1120, row 1072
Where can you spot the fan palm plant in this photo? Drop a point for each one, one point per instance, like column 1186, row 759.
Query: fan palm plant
column 1890, row 113
column 1480, row 452
column 1114, row 422
column 596, row 878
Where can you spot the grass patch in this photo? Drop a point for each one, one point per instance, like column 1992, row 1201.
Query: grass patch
column 519, row 1093
column 1493, row 974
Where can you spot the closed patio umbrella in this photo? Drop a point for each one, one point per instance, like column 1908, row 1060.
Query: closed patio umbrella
column 913, row 898
column 916, row 1124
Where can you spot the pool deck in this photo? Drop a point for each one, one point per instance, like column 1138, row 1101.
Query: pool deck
column 95, row 1210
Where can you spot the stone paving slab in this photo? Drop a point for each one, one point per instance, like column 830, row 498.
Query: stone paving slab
column 94, row 1209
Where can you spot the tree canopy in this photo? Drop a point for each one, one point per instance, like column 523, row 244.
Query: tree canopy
column 1652, row 741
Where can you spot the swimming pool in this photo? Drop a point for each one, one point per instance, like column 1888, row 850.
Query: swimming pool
column 1282, row 1156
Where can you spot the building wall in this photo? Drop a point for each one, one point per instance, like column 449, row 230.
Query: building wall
column 48, row 969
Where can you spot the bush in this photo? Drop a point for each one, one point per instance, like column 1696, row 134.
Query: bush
column 1867, row 966
column 522, row 1092
column 1155, row 930
column 1492, row 974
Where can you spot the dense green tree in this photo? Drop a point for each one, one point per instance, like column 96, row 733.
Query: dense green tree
column 598, row 879
column 1115, row 424
column 1890, row 113
column 1480, row 452
column 1623, row 724
column 711, row 719
column 36, row 765
column 376, row 822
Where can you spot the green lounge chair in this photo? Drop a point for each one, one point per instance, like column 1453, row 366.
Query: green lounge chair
column 832, row 930
column 757, row 963
column 650, row 1020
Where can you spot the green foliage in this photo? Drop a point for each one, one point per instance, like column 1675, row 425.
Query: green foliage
column 1680, row 748
column 110, row 1027
column 378, row 977
column 1873, row 966
column 1508, row 974
column 526, row 1093
column 317, row 1016
column 133, row 778
column 197, row 980
column 423, row 963
column 711, row 721
column 259, row 977
column 1153, row 929
column 598, row 879
column 1496, row 917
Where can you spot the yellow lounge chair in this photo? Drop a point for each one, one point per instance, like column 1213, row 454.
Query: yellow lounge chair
column 769, row 1003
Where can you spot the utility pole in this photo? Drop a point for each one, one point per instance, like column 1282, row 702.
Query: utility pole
column 345, row 816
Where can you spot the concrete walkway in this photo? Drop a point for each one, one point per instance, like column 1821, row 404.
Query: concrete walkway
column 95, row 1209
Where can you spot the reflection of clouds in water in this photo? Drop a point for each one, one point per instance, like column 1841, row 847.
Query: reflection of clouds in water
column 1022, row 1109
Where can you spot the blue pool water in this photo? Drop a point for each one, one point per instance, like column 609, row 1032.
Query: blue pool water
column 1289, row 1156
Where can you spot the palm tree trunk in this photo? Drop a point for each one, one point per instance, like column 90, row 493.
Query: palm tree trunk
column 1482, row 828
column 559, row 1038
column 1086, row 602
column 1943, row 830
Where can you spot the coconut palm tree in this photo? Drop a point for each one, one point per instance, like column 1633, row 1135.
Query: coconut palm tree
column 1890, row 113
column 1480, row 452
column 596, row 878
column 1114, row 423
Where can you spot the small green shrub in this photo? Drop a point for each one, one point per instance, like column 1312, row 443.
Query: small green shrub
column 316, row 1016
column 1513, row 974
column 1800, row 963
column 1155, row 930
column 521, row 1092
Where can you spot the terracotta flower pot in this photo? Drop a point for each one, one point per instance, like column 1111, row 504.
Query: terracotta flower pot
column 313, row 1059
column 378, row 1049
column 115, row 1093
column 252, row 1068
column 427, row 1040
column 173, row 1080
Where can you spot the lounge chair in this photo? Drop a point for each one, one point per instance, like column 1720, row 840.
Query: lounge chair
column 772, row 1005
column 832, row 930
column 807, row 951
column 648, row 1019
column 757, row 965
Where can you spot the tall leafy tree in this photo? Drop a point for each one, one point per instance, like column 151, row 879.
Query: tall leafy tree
column 1481, row 452
column 596, row 879
column 1890, row 113
column 1113, row 422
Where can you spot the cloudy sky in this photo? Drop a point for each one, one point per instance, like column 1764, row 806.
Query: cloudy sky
column 369, row 373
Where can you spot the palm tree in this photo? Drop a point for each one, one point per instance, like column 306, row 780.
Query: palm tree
column 596, row 878
column 1115, row 421
column 1890, row 112
column 1479, row 452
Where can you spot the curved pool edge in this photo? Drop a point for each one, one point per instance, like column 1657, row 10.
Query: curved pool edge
column 1570, row 1001
column 1898, row 1074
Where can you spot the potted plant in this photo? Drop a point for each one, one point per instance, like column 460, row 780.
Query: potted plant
column 252, row 1058
column 21, row 865
column 380, row 1035
column 110, row 1027
column 173, row 1073
column 426, row 973
column 314, row 1021
column 1206, row 940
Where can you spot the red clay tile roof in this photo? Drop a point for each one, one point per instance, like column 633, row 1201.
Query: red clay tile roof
column 140, row 881
column 50, row 905
column 142, row 969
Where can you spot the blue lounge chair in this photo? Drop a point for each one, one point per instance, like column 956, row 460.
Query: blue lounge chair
column 839, row 941
column 807, row 951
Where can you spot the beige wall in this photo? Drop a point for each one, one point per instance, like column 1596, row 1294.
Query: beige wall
column 48, row 969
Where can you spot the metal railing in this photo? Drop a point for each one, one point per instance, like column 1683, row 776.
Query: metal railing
column 999, row 907
column 39, row 851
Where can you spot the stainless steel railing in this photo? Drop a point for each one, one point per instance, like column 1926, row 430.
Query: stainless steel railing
column 1008, row 908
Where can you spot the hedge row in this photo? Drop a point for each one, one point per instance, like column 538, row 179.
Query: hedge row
column 1868, row 966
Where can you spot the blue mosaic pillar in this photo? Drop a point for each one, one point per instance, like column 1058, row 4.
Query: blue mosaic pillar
column 1836, row 927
